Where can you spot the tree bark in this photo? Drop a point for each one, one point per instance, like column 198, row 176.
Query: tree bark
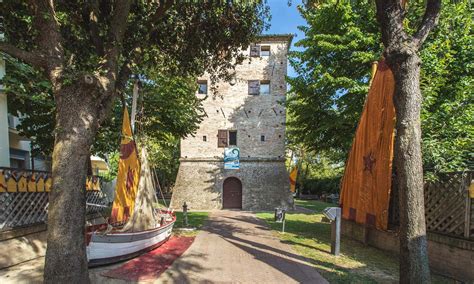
column 414, row 265
column 401, row 53
column 80, row 107
column 76, row 127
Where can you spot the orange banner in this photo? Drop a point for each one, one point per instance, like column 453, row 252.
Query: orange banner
column 365, row 187
column 293, row 175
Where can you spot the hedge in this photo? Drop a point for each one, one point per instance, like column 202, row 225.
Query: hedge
column 318, row 186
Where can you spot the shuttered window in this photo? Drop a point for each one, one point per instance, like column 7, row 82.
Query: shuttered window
column 222, row 138
column 254, row 87
column 254, row 51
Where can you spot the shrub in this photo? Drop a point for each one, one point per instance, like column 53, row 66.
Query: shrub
column 320, row 185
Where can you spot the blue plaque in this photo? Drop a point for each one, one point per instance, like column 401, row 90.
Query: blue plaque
column 231, row 158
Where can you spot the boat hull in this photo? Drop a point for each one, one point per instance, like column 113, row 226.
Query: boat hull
column 114, row 247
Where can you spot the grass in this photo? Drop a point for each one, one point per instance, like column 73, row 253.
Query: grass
column 195, row 220
column 357, row 263
column 314, row 205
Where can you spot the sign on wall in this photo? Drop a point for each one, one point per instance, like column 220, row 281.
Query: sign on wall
column 232, row 158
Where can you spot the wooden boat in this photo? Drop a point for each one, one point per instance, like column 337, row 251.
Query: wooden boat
column 106, row 248
column 134, row 225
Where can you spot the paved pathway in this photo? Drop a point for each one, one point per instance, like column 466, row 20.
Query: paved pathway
column 234, row 247
column 237, row 247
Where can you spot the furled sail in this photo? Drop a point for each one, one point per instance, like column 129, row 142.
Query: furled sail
column 128, row 175
column 144, row 216
column 365, row 188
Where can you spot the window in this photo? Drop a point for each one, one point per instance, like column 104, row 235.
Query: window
column 264, row 87
column 254, row 87
column 226, row 138
column 264, row 50
column 259, row 87
column 204, row 138
column 259, row 50
column 202, row 89
column 222, row 138
column 233, row 138
column 254, row 50
column 17, row 163
column 262, row 138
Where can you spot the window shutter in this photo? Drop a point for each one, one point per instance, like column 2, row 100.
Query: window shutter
column 254, row 50
column 254, row 87
column 222, row 138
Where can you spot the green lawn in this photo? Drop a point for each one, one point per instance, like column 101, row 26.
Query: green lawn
column 357, row 263
column 314, row 205
column 195, row 220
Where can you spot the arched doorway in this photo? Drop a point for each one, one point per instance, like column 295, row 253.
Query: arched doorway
column 232, row 193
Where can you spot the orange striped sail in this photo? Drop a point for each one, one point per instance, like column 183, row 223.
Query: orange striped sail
column 128, row 175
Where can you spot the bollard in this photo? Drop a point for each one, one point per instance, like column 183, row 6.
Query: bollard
column 334, row 214
column 185, row 214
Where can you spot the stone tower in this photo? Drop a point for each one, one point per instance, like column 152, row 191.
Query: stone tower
column 248, row 113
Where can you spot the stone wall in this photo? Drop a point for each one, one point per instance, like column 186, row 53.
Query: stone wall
column 232, row 108
column 264, row 184
column 263, row 174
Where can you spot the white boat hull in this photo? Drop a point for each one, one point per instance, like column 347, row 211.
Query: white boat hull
column 114, row 247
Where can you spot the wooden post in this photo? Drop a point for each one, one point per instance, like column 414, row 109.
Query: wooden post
column 467, row 215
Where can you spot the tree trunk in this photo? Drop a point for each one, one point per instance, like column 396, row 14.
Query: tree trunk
column 76, row 126
column 405, row 65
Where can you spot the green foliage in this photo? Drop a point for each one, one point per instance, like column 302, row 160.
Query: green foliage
column 164, row 157
column 448, row 92
column 318, row 173
column 29, row 94
column 169, row 110
column 321, row 185
column 187, row 38
column 112, row 161
column 333, row 72
column 167, row 53
column 342, row 40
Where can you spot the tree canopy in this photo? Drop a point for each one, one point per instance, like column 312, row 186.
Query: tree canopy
column 342, row 39
column 171, row 109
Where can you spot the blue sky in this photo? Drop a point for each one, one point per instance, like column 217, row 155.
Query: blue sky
column 285, row 20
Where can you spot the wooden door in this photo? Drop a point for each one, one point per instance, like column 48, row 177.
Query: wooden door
column 232, row 193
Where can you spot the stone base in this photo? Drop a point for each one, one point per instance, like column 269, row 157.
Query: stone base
column 265, row 184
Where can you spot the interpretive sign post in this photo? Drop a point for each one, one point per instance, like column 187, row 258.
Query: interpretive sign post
column 334, row 214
